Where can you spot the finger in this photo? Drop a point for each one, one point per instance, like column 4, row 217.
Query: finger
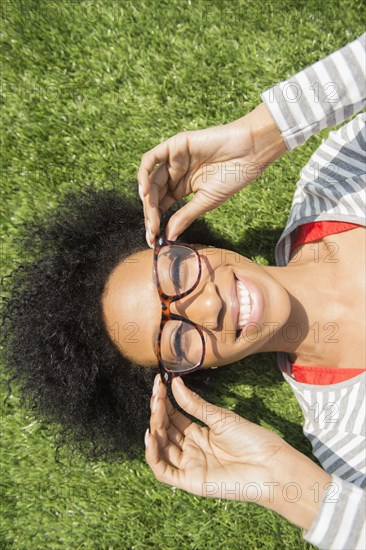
column 164, row 416
column 169, row 450
column 193, row 404
column 166, row 423
column 175, row 151
column 149, row 236
column 159, row 419
column 164, row 192
column 179, row 157
column 152, row 215
column 179, row 221
column 162, row 471
column 175, row 436
column 160, row 196
column 167, row 202
column 180, row 422
column 158, row 154
column 152, row 201
column 160, row 176
column 160, row 424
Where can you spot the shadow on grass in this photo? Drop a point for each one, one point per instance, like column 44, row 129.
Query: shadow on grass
column 260, row 241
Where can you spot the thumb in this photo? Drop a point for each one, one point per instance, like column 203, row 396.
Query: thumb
column 193, row 404
column 179, row 221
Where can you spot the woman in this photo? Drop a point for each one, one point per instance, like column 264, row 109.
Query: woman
column 321, row 250
column 86, row 310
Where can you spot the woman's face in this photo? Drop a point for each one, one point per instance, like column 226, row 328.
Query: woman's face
column 233, row 325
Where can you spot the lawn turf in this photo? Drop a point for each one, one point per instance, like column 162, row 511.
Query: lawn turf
column 86, row 88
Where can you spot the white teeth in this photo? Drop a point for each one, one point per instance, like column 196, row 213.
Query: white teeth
column 244, row 304
column 242, row 287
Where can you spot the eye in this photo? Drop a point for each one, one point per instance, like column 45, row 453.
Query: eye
column 177, row 346
column 179, row 273
column 180, row 343
column 176, row 269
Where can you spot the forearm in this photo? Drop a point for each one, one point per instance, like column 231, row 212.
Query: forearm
column 329, row 509
column 268, row 143
column 301, row 484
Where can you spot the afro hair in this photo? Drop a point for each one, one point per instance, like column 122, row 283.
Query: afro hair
column 53, row 334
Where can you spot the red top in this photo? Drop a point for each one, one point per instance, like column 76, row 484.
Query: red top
column 321, row 376
column 314, row 231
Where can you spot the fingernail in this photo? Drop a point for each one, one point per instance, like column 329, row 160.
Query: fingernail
column 147, row 236
column 156, row 384
column 141, row 194
column 178, row 380
column 146, row 438
column 154, row 403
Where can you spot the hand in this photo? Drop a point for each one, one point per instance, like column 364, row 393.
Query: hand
column 231, row 458
column 214, row 163
column 188, row 456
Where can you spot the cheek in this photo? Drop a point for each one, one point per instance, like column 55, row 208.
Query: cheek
column 219, row 349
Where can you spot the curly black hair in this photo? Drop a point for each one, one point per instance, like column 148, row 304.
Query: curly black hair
column 54, row 338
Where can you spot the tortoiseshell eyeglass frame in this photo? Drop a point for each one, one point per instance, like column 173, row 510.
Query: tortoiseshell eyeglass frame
column 166, row 315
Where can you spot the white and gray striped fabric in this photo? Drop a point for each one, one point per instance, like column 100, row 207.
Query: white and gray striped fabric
column 332, row 184
column 320, row 96
column 331, row 187
column 335, row 425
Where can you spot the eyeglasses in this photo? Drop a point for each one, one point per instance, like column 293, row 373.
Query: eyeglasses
column 181, row 344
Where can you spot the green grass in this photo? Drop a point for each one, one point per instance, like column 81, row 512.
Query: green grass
column 88, row 87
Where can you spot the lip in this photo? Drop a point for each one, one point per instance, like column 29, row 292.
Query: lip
column 256, row 301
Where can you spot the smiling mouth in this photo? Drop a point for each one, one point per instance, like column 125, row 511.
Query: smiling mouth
column 250, row 304
column 244, row 306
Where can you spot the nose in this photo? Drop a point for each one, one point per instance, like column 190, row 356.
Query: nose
column 203, row 307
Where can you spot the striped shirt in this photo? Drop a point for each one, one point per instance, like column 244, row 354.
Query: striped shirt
column 331, row 187
column 320, row 96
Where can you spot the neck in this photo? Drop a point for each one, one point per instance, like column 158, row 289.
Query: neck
column 312, row 312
